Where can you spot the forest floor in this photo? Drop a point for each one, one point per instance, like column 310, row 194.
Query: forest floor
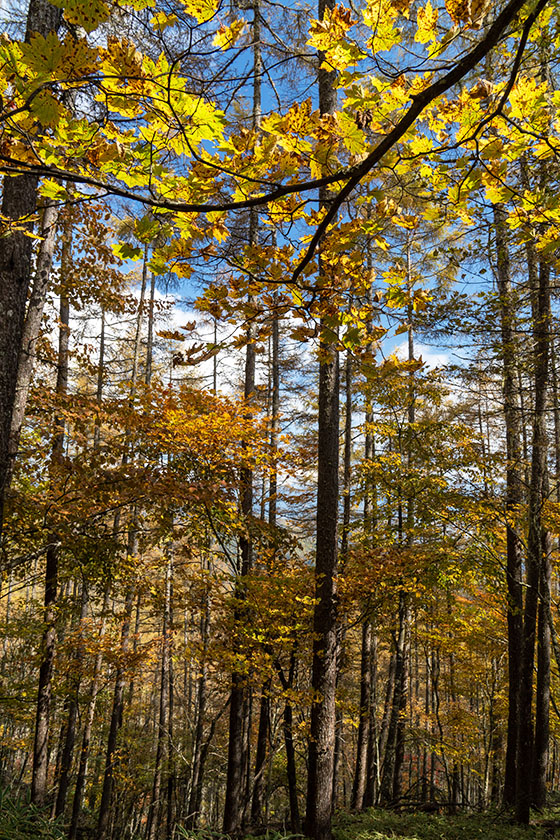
column 20, row 821
column 389, row 825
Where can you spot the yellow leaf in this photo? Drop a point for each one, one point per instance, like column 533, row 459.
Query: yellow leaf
column 162, row 20
column 469, row 12
column 227, row 36
column 201, row 10
column 426, row 20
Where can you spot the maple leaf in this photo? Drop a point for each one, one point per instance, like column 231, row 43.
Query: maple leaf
column 86, row 13
column 227, row 36
column 426, row 20
column 162, row 20
column 470, row 12
column 201, row 10
column 42, row 55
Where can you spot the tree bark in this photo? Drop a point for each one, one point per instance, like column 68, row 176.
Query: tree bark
column 72, row 718
column 542, row 697
column 392, row 758
column 288, row 729
column 235, row 798
column 514, row 494
column 359, row 786
column 197, row 773
column 19, row 202
column 156, row 810
column 319, row 801
column 32, row 327
column 88, row 725
column 260, row 757
column 48, row 645
column 540, row 284
column 118, row 701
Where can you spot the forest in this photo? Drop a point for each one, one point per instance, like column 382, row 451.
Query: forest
column 279, row 419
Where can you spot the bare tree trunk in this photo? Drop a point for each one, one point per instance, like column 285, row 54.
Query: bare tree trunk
column 235, row 793
column 72, row 718
column 32, row 326
column 288, row 729
column 542, row 697
column 319, row 801
column 48, row 645
column 99, row 390
column 117, row 710
column 392, row 758
column 367, row 765
column 514, row 494
column 19, row 201
column 260, row 757
column 156, row 810
column 88, row 725
column 235, row 798
column 325, row 623
column 150, row 338
column 359, row 787
column 275, row 412
column 540, row 285
column 373, row 763
column 195, row 798
column 344, row 546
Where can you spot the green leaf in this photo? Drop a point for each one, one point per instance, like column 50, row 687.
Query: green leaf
column 128, row 252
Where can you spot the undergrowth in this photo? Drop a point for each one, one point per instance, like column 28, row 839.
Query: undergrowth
column 388, row 825
column 21, row 821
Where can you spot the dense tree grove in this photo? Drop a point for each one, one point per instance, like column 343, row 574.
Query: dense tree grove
column 280, row 417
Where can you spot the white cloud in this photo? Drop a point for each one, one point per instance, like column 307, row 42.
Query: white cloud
column 432, row 358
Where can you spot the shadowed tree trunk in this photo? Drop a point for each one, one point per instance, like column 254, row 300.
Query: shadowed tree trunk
column 117, row 710
column 72, row 717
column 32, row 326
column 235, row 796
column 539, row 277
column 542, row 696
column 156, row 811
column 197, row 773
column 359, row 786
column 260, row 757
column 514, row 493
column 287, row 726
column 48, row 645
column 319, row 801
column 19, row 202
column 88, row 725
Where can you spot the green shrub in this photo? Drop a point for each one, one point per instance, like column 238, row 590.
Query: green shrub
column 21, row 821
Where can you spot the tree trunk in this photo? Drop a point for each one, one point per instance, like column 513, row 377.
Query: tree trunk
column 32, row 326
column 540, row 285
column 117, row 710
column 359, row 786
column 542, row 697
column 392, row 758
column 156, row 811
column 88, row 725
column 287, row 726
column 373, row 764
column 197, row 771
column 237, row 760
column 514, row 494
column 260, row 757
column 319, row 801
column 40, row 744
column 275, row 412
column 235, row 799
column 19, row 200
column 72, row 718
